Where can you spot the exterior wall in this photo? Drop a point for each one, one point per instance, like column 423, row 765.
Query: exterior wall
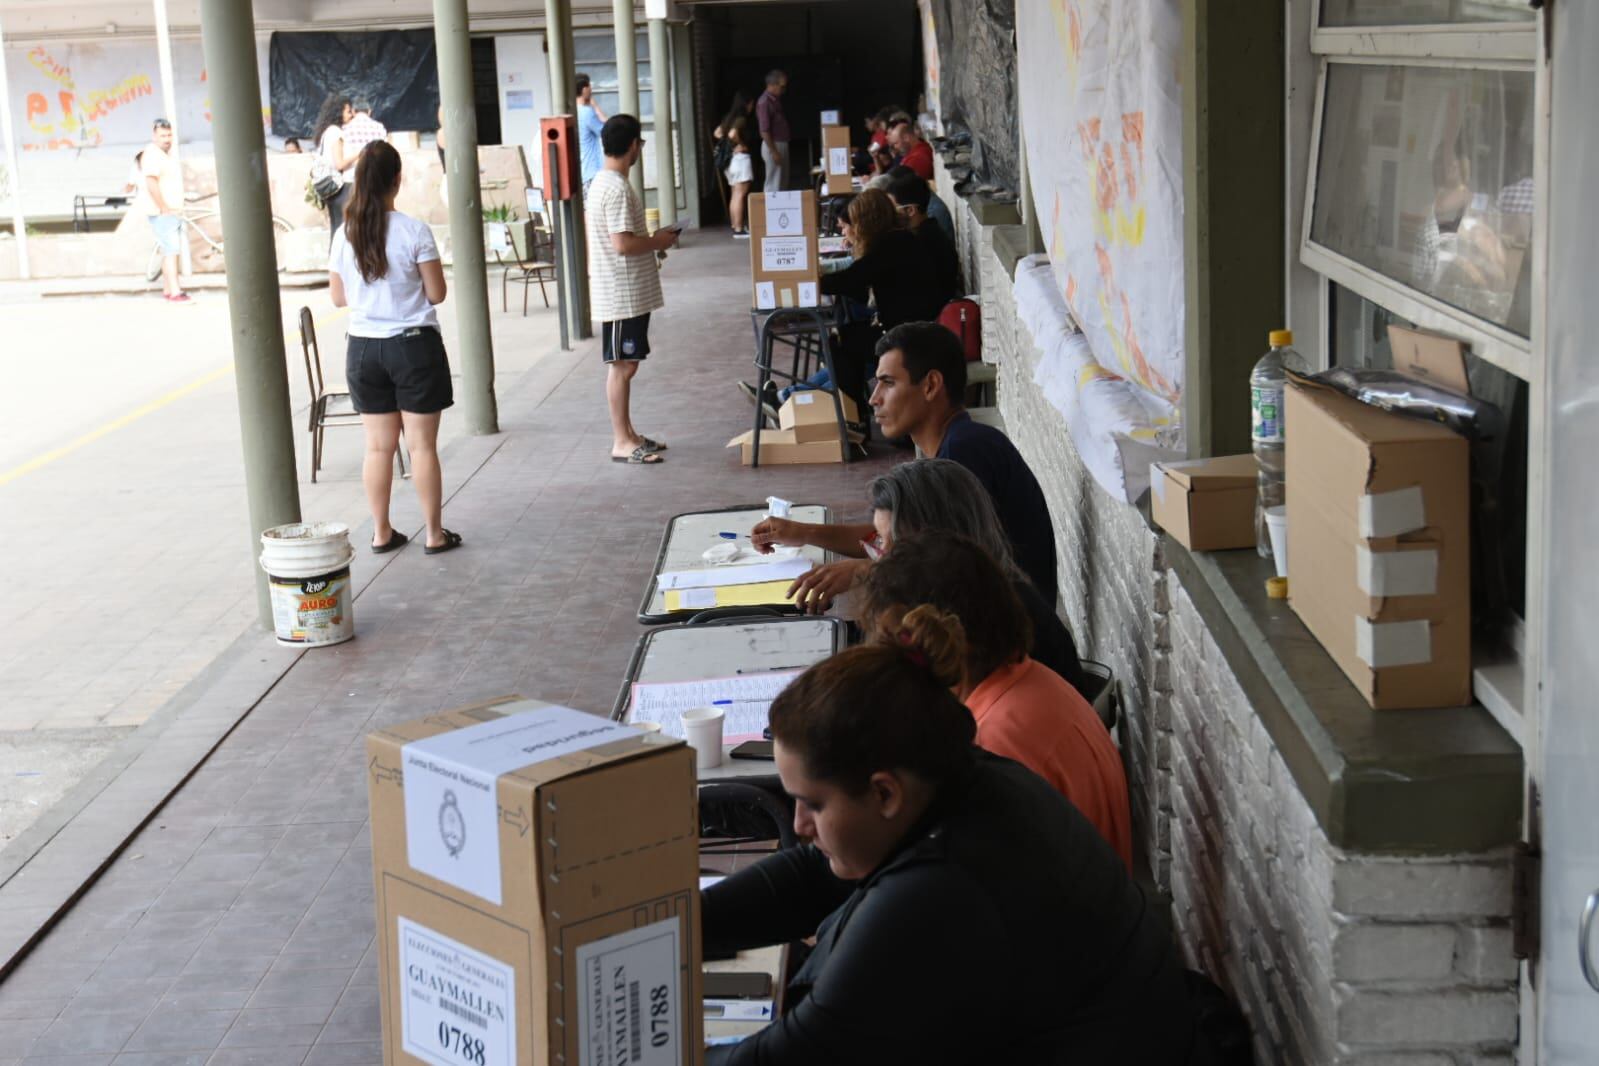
column 1335, row 957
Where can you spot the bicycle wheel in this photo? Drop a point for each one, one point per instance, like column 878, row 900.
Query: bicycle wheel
column 153, row 271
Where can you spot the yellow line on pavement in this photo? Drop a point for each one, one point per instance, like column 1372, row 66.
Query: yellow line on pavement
column 137, row 413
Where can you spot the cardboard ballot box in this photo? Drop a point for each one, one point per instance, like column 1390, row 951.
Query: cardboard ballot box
column 1206, row 504
column 783, row 227
column 835, row 159
column 1379, row 548
column 536, row 873
column 810, row 415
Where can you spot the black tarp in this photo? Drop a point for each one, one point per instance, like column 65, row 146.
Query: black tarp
column 977, row 83
column 397, row 70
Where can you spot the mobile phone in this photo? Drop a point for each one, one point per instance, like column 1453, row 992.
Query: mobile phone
column 753, row 749
column 720, row 984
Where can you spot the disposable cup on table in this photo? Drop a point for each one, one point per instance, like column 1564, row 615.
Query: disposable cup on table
column 646, row 727
column 1277, row 526
column 702, row 727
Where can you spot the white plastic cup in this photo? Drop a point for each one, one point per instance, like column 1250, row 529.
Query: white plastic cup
column 702, row 727
column 646, row 727
column 1277, row 526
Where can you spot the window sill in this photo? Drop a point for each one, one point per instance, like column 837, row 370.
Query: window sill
column 1416, row 782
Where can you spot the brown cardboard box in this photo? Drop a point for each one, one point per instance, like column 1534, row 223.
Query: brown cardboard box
column 810, row 414
column 536, row 889
column 1206, row 504
column 780, row 447
column 836, row 159
column 1379, row 550
column 783, row 249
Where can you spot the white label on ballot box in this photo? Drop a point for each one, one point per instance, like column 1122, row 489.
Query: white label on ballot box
column 456, row 1005
column 785, row 213
column 807, row 293
column 829, row 118
column 785, row 254
column 629, row 1001
column 765, row 295
column 838, row 160
column 452, row 810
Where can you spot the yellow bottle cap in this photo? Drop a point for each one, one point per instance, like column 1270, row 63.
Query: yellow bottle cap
column 1280, row 338
column 1277, row 588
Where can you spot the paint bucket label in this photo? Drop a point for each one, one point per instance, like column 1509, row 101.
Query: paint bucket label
column 312, row 610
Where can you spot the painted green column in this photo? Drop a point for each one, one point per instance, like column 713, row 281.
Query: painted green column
column 255, row 312
column 474, row 346
column 661, row 79
column 627, row 74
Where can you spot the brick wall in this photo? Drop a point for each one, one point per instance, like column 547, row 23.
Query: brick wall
column 1336, row 957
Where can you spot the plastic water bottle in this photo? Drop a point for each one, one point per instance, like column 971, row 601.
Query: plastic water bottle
column 1266, row 427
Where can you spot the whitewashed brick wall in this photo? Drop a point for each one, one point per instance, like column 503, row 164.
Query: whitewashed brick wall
column 1336, row 957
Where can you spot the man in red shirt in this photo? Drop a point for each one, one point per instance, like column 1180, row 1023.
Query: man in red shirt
column 914, row 152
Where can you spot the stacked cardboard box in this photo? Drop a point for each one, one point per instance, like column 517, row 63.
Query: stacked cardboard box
column 1379, row 549
column 807, row 431
column 835, row 159
column 1206, row 504
column 536, row 889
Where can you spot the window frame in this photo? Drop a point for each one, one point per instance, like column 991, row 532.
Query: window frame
column 1503, row 683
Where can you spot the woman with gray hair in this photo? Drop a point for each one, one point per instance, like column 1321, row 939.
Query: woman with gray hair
column 924, row 494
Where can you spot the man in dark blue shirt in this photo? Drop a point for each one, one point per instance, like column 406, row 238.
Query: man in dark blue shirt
column 919, row 392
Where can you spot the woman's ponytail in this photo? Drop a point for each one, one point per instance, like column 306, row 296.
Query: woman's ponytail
column 366, row 216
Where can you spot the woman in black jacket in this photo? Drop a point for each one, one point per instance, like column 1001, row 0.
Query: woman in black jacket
column 905, row 284
column 964, row 912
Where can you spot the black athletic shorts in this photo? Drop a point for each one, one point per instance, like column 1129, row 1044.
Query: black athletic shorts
column 626, row 339
column 408, row 372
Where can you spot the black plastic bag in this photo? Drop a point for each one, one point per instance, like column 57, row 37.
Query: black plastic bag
column 1390, row 390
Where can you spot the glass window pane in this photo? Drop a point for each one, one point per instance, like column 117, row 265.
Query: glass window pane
column 593, row 47
column 1498, row 466
column 1422, row 12
column 1425, row 175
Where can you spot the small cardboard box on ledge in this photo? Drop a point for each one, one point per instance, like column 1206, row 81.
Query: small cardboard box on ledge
column 536, row 873
column 1206, row 504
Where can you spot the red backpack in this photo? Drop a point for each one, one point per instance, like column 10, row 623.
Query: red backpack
column 965, row 319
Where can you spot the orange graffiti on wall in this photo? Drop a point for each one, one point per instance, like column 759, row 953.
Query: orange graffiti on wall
column 47, row 65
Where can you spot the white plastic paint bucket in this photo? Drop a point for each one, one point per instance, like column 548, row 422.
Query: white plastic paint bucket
column 308, row 572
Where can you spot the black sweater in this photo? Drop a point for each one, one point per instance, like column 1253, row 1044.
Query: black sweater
column 1004, row 930
column 910, row 285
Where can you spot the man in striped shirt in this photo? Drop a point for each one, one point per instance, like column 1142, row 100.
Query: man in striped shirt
column 624, row 282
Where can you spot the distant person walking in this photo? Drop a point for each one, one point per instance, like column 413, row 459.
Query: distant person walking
column 331, row 153
column 624, row 283
column 385, row 268
column 361, row 129
column 161, row 200
column 774, row 132
column 590, row 122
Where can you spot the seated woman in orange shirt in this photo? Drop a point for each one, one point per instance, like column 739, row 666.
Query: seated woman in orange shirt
column 1024, row 710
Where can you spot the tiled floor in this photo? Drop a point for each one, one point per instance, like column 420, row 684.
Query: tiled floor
column 237, row 927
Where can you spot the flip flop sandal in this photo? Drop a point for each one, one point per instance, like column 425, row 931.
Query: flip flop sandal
column 652, row 445
column 451, row 541
column 397, row 540
column 640, row 456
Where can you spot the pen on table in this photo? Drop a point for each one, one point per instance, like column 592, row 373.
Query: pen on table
column 727, row 536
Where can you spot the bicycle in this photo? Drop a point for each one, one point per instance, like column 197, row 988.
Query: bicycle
column 191, row 220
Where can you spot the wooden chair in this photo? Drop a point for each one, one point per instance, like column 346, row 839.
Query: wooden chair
column 328, row 408
column 539, row 267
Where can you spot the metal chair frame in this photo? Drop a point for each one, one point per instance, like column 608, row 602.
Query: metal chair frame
column 328, row 408
column 527, row 271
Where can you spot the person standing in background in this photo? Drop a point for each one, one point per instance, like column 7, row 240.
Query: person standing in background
column 161, row 201
column 329, row 140
column 361, row 129
column 590, row 121
column 774, row 132
column 625, row 283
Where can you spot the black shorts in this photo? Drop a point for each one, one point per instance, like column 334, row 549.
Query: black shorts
column 408, row 372
column 626, row 340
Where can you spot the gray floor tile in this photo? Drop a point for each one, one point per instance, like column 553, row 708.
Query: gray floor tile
column 161, row 1058
column 181, row 1030
column 287, row 1055
column 67, row 1060
column 353, row 1053
column 85, row 1034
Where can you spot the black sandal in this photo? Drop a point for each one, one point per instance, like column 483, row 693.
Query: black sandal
column 397, row 540
column 451, row 541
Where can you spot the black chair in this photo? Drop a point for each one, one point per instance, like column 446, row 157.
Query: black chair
column 751, row 810
column 328, row 407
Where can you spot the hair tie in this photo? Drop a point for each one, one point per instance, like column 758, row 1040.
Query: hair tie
column 914, row 654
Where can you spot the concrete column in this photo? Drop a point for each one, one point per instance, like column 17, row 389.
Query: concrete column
column 474, row 347
column 169, row 103
column 627, row 74
column 255, row 312
column 19, row 225
column 684, row 120
column 661, row 79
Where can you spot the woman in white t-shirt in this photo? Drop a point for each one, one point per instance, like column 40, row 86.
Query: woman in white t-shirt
column 329, row 140
column 385, row 268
